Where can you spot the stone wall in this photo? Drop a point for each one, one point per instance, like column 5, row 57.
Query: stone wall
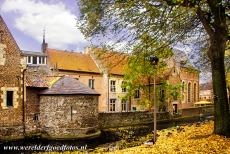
column 32, row 112
column 69, row 116
column 10, row 79
column 99, row 85
column 123, row 119
column 196, row 111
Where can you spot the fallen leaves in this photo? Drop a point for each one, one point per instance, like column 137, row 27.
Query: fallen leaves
column 197, row 138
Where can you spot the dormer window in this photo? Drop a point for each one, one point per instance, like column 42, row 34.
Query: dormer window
column 29, row 60
column 1, row 36
column 34, row 60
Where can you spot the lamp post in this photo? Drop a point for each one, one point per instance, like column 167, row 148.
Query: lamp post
column 154, row 61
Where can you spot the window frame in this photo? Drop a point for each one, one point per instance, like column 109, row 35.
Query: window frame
column 123, row 89
column 91, row 83
column 112, row 105
column 194, row 92
column 36, row 117
column 137, row 94
column 189, row 92
column 34, row 58
column 124, row 105
column 112, row 85
column 9, row 93
column 29, row 59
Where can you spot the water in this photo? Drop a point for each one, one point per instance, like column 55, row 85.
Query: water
column 39, row 145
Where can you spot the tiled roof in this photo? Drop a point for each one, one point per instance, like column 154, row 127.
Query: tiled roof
column 69, row 86
column 40, row 81
column 72, row 61
column 39, row 77
column 114, row 62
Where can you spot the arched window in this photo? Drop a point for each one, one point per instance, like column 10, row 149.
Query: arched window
column 183, row 86
column 189, row 92
column 194, row 96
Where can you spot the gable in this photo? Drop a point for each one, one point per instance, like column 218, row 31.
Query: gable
column 113, row 62
column 10, row 54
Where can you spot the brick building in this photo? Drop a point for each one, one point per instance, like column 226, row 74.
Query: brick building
column 183, row 73
column 11, row 84
column 103, row 71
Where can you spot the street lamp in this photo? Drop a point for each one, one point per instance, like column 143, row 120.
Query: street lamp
column 154, row 61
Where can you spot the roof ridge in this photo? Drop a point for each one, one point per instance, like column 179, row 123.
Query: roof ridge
column 69, row 51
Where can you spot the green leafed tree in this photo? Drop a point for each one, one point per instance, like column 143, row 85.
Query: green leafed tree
column 167, row 22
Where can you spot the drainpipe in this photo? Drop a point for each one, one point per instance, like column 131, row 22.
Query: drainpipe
column 108, row 93
column 23, row 101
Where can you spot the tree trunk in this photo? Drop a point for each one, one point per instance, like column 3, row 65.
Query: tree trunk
column 229, row 95
column 221, row 107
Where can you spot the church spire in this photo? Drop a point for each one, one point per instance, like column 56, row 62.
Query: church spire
column 44, row 36
column 44, row 44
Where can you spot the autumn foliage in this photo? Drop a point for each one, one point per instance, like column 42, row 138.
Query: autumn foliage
column 192, row 138
column 189, row 139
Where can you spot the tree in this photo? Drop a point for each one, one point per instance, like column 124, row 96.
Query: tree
column 227, row 62
column 168, row 22
column 139, row 74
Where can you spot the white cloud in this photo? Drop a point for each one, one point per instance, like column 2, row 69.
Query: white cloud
column 34, row 16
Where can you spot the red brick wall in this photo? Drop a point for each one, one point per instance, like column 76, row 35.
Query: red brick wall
column 10, row 76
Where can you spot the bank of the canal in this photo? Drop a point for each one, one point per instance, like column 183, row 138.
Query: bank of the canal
column 107, row 137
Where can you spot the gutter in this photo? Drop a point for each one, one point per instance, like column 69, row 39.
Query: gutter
column 23, row 102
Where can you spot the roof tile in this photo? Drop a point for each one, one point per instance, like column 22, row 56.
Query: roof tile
column 72, row 61
column 68, row 86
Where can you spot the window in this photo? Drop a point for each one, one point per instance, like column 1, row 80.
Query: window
column 112, row 105
column 162, row 95
column 1, row 36
column 34, row 60
column 40, row 60
column 91, row 83
column 123, row 88
column 189, row 92
column 113, row 86
column 134, row 108
column 124, row 105
column 43, row 60
column 36, row 116
column 29, row 60
column 183, row 86
column 137, row 94
column 194, row 92
column 9, row 98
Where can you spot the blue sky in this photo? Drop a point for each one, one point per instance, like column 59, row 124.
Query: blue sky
column 27, row 19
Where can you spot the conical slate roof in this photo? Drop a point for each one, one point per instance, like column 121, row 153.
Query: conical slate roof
column 69, row 86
